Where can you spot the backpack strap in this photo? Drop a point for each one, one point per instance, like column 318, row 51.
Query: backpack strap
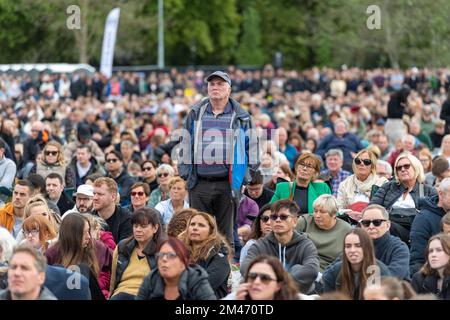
column 291, row 192
column 421, row 190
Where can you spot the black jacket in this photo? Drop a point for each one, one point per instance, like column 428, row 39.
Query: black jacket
column 218, row 269
column 428, row 284
column 124, row 182
column 390, row 191
column 95, row 168
column 119, row 224
column 124, row 250
column 425, row 225
column 193, row 285
column 394, row 253
column 64, row 203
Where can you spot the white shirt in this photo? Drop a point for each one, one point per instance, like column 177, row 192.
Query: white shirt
column 407, row 203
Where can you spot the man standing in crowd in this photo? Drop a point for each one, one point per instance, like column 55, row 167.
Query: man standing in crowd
column 214, row 179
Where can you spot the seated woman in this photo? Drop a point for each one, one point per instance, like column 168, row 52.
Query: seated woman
column 266, row 279
column 324, row 229
column 355, row 191
column 38, row 232
column 303, row 190
column 164, row 173
column 350, row 274
column 434, row 277
column 401, row 195
column 209, row 249
column 134, row 258
column 76, row 247
column 176, row 202
column 53, row 162
column 174, row 278
column 261, row 227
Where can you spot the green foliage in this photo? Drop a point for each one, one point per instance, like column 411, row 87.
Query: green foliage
column 198, row 32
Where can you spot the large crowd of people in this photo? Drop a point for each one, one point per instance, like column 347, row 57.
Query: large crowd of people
column 239, row 185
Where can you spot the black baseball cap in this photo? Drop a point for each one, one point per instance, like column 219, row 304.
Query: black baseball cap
column 224, row 76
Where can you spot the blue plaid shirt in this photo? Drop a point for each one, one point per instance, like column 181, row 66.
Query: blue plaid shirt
column 335, row 182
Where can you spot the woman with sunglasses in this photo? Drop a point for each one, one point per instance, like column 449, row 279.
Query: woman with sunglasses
column 434, row 276
column 401, row 195
column 209, row 249
column 148, row 168
column 134, row 257
column 164, row 173
column 38, row 232
column 351, row 274
column 303, row 191
column 175, row 278
column 266, row 279
column 355, row 191
column 261, row 227
column 53, row 162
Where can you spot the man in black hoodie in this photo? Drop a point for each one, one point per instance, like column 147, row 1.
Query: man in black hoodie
column 428, row 223
column 296, row 252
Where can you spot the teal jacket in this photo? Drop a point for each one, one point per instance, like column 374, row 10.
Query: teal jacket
column 315, row 189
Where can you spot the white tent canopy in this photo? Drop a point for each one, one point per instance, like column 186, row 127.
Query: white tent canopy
column 51, row 67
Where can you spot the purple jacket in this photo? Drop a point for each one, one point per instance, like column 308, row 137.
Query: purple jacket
column 247, row 206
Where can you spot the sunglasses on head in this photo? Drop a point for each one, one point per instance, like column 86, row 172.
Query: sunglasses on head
column 51, row 153
column 405, row 166
column 283, row 217
column 165, row 174
column 367, row 162
column 264, row 218
column 139, row 194
column 112, row 160
column 375, row 222
column 265, row 278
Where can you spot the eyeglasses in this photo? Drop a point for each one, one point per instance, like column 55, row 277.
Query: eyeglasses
column 32, row 233
column 168, row 255
column 375, row 222
column 51, row 153
column 112, row 160
column 165, row 174
column 367, row 162
column 283, row 217
column 139, row 194
column 405, row 166
column 147, row 168
column 264, row 219
column 265, row 278
column 306, row 165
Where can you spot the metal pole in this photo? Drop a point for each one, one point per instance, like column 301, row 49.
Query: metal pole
column 160, row 34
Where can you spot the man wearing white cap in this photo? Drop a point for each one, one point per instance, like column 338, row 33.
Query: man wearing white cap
column 83, row 200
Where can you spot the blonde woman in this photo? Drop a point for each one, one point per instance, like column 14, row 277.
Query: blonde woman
column 401, row 195
column 53, row 161
column 355, row 191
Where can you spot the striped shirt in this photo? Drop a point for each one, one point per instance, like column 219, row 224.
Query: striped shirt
column 215, row 143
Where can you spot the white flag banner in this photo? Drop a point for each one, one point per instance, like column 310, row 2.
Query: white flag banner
column 109, row 41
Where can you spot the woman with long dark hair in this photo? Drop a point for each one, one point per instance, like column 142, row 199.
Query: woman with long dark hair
column 209, row 249
column 350, row 275
column 175, row 278
column 76, row 247
column 134, row 257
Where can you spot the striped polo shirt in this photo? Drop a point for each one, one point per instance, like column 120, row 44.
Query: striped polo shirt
column 215, row 143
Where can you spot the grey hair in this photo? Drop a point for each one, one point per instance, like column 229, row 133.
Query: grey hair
column 387, row 165
column 7, row 243
column 378, row 207
column 165, row 167
column 335, row 152
column 328, row 203
column 444, row 186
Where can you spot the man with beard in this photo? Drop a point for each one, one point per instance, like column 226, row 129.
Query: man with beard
column 83, row 200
